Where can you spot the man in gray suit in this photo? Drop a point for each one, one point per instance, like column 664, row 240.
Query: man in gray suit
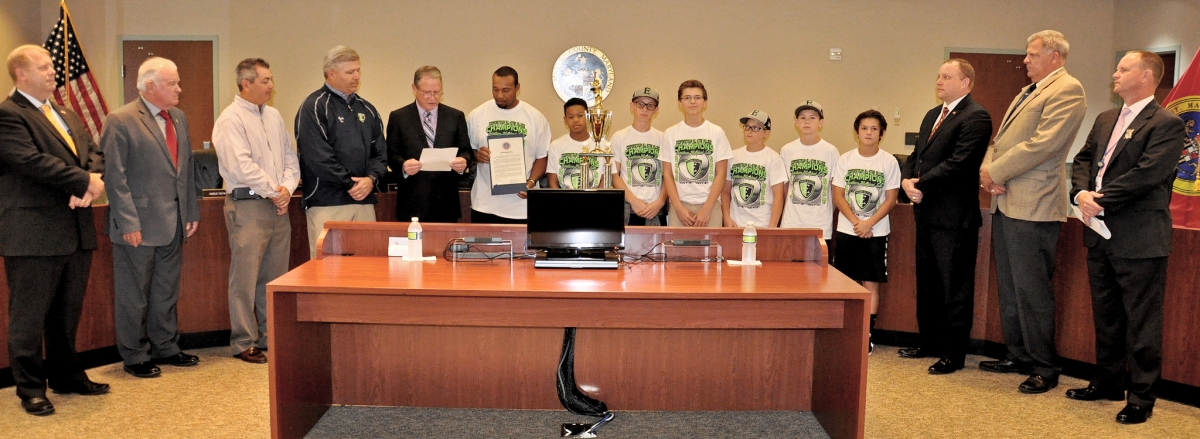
column 1025, row 172
column 152, row 209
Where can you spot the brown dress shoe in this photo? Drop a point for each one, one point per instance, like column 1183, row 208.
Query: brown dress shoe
column 252, row 355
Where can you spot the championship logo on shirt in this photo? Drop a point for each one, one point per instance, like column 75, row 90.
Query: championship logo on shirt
column 642, row 167
column 569, row 174
column 748, row 182
column 808, row 180
column 693, row 161
column 864, row 191
column 497, row 127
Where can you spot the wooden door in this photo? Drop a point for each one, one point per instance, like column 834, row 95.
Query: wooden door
column 195, row 62
column 1168, row 79
column 998, row 79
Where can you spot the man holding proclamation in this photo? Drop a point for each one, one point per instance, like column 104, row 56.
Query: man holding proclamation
column 427, row 124
column 260, row 169
column 1025, row 174
column 152, row 210
column 49, row 174
column 339, row 136
column 1123, row 177
column 511, row 140
column 941, row 178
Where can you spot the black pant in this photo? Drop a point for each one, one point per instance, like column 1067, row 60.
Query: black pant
column 946, row 289
column 1127, row 304
column 45, row 299
column 478, row 217
column 1025, row 252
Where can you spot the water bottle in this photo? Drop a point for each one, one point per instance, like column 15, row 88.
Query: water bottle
column 414, row 240
column 749, row 240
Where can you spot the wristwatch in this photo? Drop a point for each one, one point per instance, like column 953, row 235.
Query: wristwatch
column 530, row 181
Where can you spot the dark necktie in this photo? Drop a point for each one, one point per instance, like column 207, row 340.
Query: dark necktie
column 172, row 143
column 1032, row 87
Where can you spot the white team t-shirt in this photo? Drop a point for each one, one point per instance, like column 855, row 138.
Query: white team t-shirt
column 866, row 181
column 693, row 154
column 488, row 119
column 564, row 160
column 810, row 171
column 751, row 176
column 639, row 159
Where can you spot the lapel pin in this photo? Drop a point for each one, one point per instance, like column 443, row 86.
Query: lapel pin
column 1129, row 134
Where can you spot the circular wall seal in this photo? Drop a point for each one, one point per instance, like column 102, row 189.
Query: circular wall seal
column 575, row 69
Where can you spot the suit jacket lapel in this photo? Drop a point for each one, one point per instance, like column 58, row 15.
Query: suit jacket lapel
column 1036, row 92
column 440, row 128
column 148, row 119
column 1137, row 124
column 950, row 116
column 36, row 109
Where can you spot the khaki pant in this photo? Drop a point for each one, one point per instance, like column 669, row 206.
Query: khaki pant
column 259, row 250
column 714, row 220
column 318, row 215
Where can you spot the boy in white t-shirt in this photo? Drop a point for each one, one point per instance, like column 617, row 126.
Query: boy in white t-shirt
column 756, row 178
column 563, row 168
column 809, row 161
column 638, row 151
column 699, row 154
column 866, row 185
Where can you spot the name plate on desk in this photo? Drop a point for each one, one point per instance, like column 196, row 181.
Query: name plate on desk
column 214, row 192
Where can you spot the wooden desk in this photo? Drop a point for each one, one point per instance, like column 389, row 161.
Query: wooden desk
column 372, row 330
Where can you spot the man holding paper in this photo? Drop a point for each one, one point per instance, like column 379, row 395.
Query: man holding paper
column 511, row 140
column 1126, row 183
column 426, row 141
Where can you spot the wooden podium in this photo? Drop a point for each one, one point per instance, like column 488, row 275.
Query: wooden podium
column 356, row 327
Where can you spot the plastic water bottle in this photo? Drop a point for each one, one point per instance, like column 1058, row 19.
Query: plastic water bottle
column 749, row 240
column 414, row 240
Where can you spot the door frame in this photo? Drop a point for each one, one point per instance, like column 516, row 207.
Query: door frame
column 120, row 89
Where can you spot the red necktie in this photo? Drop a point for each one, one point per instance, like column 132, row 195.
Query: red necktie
column 945, row 110
column 172, row 142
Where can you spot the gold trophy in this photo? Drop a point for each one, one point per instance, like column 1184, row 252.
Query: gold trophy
column 599, row 122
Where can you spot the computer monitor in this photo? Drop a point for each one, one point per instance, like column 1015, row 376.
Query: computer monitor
column 577, row 219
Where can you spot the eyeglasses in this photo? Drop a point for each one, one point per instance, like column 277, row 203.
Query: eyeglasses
column 430, row 94
column 692, row 98
column 646, row 105
column 755, row 128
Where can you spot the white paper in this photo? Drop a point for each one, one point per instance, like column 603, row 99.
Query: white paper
column 1096, row 224
column 736, row 263
column 398, row 246
column 507, row 160
column 437, row 159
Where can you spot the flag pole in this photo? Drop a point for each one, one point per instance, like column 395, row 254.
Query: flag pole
column 66, row 52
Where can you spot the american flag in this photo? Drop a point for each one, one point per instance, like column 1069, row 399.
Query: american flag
column 77, row 86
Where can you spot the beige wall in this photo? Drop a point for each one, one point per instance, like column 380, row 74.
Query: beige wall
column 768, row 56
column 1144, row 24
column 19, row 25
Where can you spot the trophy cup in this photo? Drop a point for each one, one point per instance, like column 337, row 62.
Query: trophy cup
column 599, row 122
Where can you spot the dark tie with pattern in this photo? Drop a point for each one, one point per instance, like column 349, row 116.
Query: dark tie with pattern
column 1032, row 87
column 945, row 110
column 427, row 123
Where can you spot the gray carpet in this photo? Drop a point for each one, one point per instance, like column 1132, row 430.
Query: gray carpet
column 404, row 422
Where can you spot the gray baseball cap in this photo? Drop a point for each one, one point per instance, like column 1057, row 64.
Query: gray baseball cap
column 646, row 92
column 760, row 116
column 810, row 105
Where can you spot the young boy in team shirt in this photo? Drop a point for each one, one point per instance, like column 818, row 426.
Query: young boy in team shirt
column 699, row 154
column 638, row 153
column 866, row 184
column 756, row 178
column 809, row 161
column 563, row 163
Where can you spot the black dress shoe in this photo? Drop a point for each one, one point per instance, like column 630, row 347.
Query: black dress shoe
column 1038, row 384
column 1006, row 366
column 144, row 369
column 1093, row 393
column 915, row 353
column 945, row 366
column 181, row 360
column 85, row 387
column 40, row 406
column 1131, row 414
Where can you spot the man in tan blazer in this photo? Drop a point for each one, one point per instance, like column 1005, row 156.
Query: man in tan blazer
column 1025, row 172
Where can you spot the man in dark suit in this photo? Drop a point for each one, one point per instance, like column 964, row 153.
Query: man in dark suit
column 49, row 174
column 152, row 209
column 941, row 177
column 1123, row 177
column 431, row 196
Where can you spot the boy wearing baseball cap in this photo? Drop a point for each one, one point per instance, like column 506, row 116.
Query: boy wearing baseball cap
column 756, row 176
column 637, row 151
column 809, row 161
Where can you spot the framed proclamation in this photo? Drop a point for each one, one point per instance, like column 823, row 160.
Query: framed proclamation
column 507, row 163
